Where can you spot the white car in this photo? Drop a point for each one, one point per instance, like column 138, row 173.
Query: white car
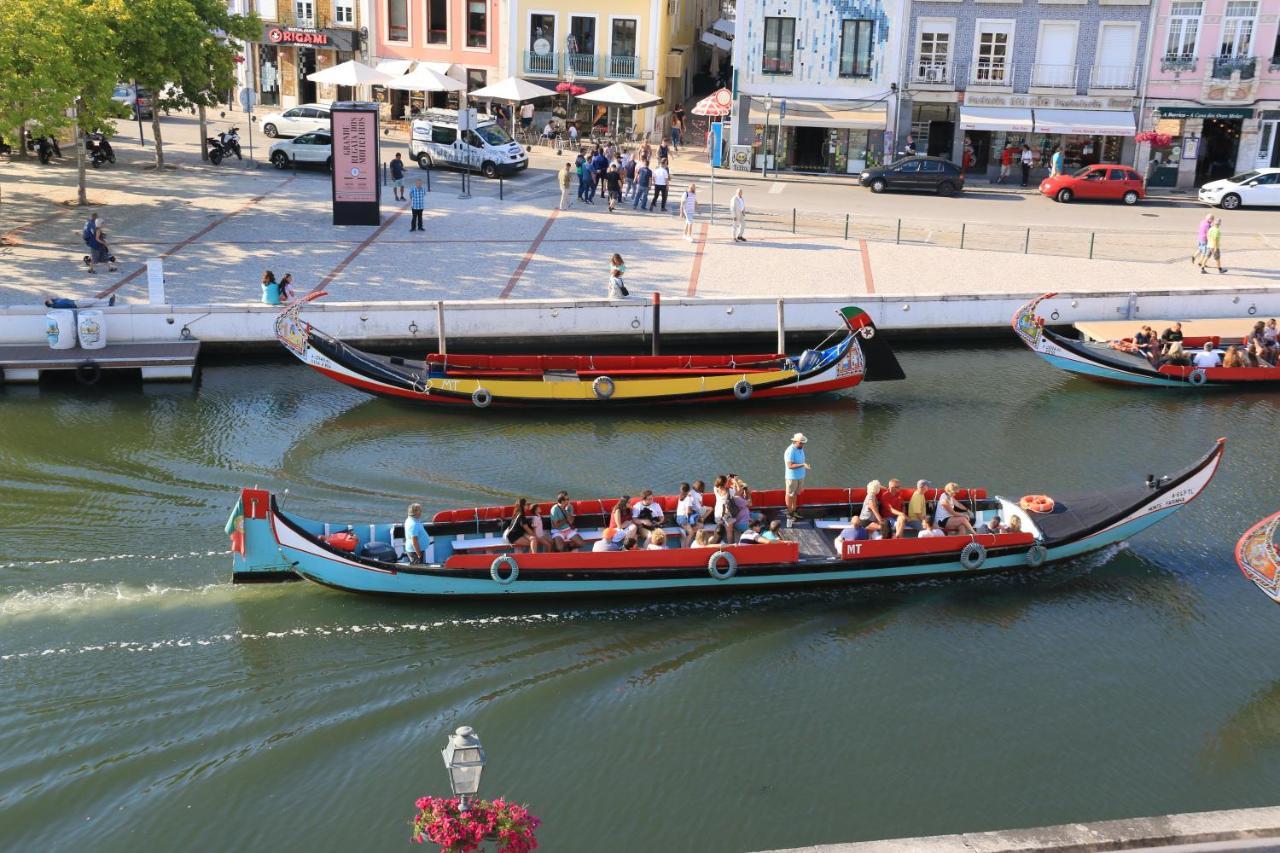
column 1256, row 188
column 315, row 148
column 296, row 120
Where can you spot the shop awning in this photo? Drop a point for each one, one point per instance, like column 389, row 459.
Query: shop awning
column 995, row 118
column 1086, row 122
column 801, row 112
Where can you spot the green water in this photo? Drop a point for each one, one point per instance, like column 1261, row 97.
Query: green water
column 145, row 703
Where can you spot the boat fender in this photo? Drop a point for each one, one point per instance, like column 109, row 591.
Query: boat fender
column 603, row 387
column 743, row 390
column 808, row 360
column 867, row 332
column 730, row 565
column 1197, row 377
column 973, row 555
column 1036, row 555
column 88, row 372
column 481, row 397
column 1036, row 503
column 509, row 562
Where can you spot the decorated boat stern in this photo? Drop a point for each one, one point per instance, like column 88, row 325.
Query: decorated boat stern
column 1259, row 558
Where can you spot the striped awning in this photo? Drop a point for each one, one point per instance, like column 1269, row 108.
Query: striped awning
column 802, row 112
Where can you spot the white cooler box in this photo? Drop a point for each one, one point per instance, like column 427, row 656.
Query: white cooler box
column 60, row 328
column 92, row 328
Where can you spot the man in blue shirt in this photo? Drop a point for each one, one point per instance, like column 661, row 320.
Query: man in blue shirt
column 417, row 203
column 796, row 469
column 599, row 166
column 415, row 534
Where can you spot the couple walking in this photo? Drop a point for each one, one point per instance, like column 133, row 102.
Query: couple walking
column 737, row 209
column 1209, row 243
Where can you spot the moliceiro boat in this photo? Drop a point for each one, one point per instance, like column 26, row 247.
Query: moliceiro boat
column 467, row 555
column 480, row 381
column 1259, row 558
column 1106, row 362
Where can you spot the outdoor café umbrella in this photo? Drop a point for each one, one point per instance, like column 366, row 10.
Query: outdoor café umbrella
column 718, row 103
column 512, row 90
column 350, row 73
column 621, row 95
column 423, row 79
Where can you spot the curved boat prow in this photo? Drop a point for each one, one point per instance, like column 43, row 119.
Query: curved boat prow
column 255, row 554
column 1258, row 557
column 1028, row 325
column 880, row 364
column 292, row 331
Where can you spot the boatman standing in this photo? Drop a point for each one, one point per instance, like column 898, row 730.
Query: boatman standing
column 796, row 469
column 415, row 535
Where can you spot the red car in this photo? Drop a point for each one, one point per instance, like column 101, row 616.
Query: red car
column 1103, row 181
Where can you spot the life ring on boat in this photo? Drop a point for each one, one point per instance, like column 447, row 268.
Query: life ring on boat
column 481, row 397
column 88, row 372
column 743, row 390
column 973, row 555
column 1197, row 377
column 730, row 565
column 603, row 387
column 495, row 570
column 1036, row 503
column 1036, row 555
column 867, row 332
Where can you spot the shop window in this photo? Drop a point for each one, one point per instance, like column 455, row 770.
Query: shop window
column 343, row 12
column 856, row 47
column 477, row 23
column 1184, row 32
column 779, row 45
column 437, row 22
column 397, row 20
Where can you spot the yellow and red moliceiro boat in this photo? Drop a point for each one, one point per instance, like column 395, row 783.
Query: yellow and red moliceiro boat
column 556, row 380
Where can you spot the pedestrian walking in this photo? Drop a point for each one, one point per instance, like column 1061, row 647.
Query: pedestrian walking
column 617, row 269
column 1026, row 159
column 677, row 127
column 689, row 210
column 583, row 169
column 796, row 469
column 613, row 186
column 661, row 176
column 1202, row 238
column 738, row 207
column 566, row 180
column 599, row 166
column 397, row 177
column 573, row 134
column 99, row 249
column 417, row 203
column 1213, row 249
column 1056, row 162
column 643, row 175
column 1006, row 161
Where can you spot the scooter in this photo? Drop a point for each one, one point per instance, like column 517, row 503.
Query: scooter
column 224, row 144
column 99, row 149
column 45, row 147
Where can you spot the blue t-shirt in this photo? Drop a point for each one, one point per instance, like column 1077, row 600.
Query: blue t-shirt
column 90, row 230
column 271, row 294
column 414, row 527
column 60, row 302
column 796, row 455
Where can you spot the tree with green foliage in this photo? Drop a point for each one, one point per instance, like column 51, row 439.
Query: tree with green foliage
column 219, row 58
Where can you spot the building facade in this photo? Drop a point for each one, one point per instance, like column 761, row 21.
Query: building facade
column 1213, row 94
column 816, row 83
column 299, row 37
column 982, row 76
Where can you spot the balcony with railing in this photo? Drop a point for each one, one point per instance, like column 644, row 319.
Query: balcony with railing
column 992, row 75
column 582, row 64
column 1225, row 67
column 1274, row 64
column 933, row 72
column 1182, row 63
column 1114, row 78
column 1057, row 77
column 623, row 67
column 541, row 63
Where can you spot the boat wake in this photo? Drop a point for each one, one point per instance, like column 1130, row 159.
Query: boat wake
column 77, row 561
column 73, row 597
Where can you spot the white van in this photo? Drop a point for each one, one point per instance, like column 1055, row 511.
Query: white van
column 486, row 147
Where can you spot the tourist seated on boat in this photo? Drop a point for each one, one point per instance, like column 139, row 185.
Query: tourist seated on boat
column 855, row 532
column 1271, row 332
column 740, row 511
column 612, row 539
column 688, row 513
column 1233, row 357
column 918, row 507
column 699, row 489
column 564, row 536
column 892, row 507
column 992, row 526
column 1015, row 525
column 520, row 532
column 657, row 540
column 722, row 510
column 707, row 539
column 751, row 536
column 620, row 515
column 952, row 515
column 928, row 529
column 1206, row 357
column 870, row 515
column 1261, row 350
column 774, row 533
column 1175, row 355
column 1140, row 343
column 646, row 514
column 539, row 533
column 1173, row 334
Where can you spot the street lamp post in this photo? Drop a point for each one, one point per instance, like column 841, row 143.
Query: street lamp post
column 768, row 106
column 464, row 759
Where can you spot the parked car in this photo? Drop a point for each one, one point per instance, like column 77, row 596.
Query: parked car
column 316, row 147
column 297, row 120
column 915, row 173
column 136, row 98
column 1102, row 181
column 1256, row 188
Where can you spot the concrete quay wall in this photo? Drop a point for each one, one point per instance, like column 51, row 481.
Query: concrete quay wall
column 620, row 323
column 1134, row 833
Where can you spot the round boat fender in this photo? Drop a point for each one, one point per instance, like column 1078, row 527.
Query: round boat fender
column 867, row 332
column 513, row 570
column 1036, row 555
column 603, row 387
column 88, row 372
column 730, row 565
column 743, row 390
column 1037, row 503
column 973, row 555
column 1197, row 377
column 481, row 397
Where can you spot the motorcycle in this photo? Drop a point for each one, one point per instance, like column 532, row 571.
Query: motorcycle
column 98, row 149
column 223, row 145
column 45, row 147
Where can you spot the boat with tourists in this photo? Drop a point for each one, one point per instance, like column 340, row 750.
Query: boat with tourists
column 1259, row 558
column 850, row 354
column 1147, row 362
column 469, row 552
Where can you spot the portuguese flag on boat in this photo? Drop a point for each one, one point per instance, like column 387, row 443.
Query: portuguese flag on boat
column 235, row 527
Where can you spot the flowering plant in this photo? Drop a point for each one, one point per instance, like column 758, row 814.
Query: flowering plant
column 442, row 821
column 565, row 87
column 1159, row 140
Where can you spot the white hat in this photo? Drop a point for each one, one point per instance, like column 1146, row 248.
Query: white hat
column 800, row 438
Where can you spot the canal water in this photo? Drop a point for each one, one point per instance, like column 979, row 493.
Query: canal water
column 145, row 702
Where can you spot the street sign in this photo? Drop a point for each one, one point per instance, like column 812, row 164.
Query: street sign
column 782, row 109
column 248, row 98
column 717, row 143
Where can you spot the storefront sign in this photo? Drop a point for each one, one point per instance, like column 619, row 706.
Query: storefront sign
column 292, row 35
column 1048, row 102
column 1203, row 112
column 355, row 166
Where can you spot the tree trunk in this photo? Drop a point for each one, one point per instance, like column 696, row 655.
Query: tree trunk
column 155, row 131
column 204, row 136
column 82, row 197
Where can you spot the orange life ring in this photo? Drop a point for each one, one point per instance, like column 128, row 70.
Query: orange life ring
column 1037, row 503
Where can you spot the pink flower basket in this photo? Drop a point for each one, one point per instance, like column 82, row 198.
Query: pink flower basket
column 442, row 822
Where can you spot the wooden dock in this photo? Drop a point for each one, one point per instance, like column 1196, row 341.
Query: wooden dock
column 164, row 361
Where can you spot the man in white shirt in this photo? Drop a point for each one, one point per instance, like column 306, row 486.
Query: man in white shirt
column 1026, row 159
column 661, row 175
column 526, row 115
column 646, row 513
column 738, row 207
column 1207, row 357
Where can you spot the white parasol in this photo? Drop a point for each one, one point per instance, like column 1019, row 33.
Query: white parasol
column 423, row 79
column 350, row 73
column 621, row 95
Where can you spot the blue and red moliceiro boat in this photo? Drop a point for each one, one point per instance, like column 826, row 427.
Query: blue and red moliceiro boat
column 467, row 556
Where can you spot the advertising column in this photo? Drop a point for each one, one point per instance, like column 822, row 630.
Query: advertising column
column 356, row 190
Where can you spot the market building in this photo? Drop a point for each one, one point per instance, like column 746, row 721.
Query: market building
column 816, row 83
column 982, row 76
column 299, row 38
column 1212, row 105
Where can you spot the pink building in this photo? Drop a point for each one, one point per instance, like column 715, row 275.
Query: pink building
column 1213, row 88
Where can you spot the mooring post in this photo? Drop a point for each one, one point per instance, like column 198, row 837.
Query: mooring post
column 657, row 322
column 1026, row 244
column 500, row 196
column 898, row 239
column 782, row 328
column 1092, row 234
column 440, row 346
column 846, row 226
column 961, row 235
